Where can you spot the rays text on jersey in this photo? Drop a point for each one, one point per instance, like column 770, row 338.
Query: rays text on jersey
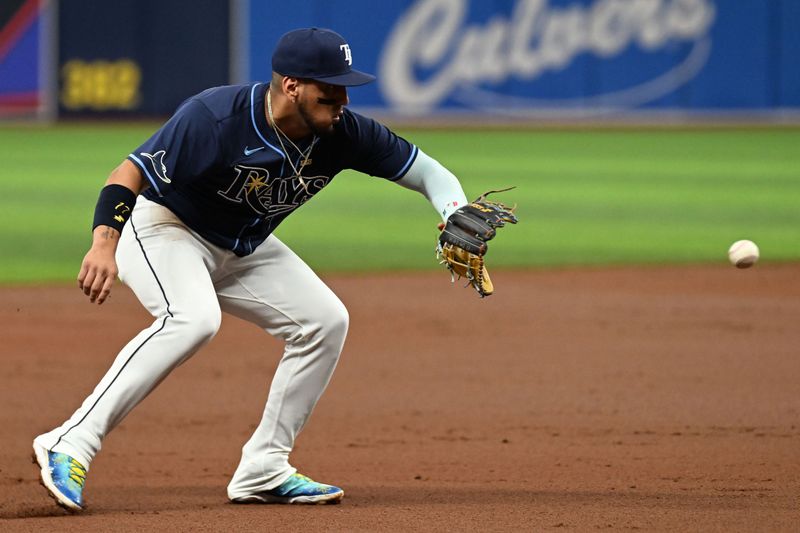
column 269, row 195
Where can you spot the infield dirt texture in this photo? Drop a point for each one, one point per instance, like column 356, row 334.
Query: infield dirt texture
column 658, row 398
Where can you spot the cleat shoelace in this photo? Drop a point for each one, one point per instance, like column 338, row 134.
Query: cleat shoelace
column 77, row 472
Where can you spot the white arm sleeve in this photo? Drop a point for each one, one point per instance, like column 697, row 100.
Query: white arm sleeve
column 436, row 183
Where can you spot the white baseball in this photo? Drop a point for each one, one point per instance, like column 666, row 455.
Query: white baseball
column 743, row 254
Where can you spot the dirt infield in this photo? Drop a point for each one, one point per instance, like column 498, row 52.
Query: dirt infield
column 654, row 398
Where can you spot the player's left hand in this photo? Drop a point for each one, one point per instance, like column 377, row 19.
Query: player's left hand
column 463, row 240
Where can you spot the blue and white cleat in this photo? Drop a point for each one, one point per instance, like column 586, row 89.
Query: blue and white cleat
column 63, row 476
column 297, row 489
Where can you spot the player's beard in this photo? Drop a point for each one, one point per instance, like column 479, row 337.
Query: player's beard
column 309, row 121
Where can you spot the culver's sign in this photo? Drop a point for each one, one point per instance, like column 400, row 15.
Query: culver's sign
column 435, row 54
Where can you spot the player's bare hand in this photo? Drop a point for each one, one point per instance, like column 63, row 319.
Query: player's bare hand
column 99, row 267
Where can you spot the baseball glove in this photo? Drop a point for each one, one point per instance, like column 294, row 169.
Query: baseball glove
column 463, row 240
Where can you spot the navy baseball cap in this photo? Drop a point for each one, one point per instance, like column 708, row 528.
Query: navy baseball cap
column 317, row 54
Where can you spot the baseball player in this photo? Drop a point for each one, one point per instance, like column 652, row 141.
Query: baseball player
column 187, row 222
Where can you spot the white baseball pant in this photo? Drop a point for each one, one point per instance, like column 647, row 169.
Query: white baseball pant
column 185, row 282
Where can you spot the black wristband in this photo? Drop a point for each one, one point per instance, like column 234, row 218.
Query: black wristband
column 114, row 206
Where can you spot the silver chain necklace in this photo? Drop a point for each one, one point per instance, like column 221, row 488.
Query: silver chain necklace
column 304, row 154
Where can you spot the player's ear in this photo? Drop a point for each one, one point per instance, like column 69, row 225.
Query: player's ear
column 291, row 87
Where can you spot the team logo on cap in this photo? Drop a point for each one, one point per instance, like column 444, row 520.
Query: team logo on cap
column 348, row 56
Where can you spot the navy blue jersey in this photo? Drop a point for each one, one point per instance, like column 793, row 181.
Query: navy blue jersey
column 219, row 166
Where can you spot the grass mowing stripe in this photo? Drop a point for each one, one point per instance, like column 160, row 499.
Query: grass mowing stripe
column 585, row 198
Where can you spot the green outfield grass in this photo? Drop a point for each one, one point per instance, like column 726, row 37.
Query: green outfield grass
column 585, row 198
